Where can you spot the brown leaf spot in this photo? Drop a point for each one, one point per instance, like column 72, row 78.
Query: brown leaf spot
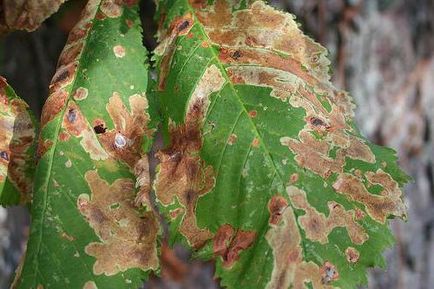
column 64, row 136
column 228, row 243
column 127, row 237
column 352, row 255
column 75, row 124
column 81, row 93
column 329, row 273
column 276, row 206
column 293, row 178
column 129, row 22
column 119, row 51
column 253, row 113
column 255, row 142
column 232, row 139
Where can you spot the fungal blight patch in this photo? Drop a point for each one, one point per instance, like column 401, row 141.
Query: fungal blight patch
column 119, row 51
column 76, row 125
column 123, row 245
column 123, row 141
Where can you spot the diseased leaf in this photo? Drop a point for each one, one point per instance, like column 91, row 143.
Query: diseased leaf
column 17, row 148
column 26, row 14
column 266, row 172
column 87, row 231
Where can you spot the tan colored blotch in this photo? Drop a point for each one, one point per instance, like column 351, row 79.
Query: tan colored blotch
column 127, row 237
column 119, row 51
column 378, row 207
column 81, row 93
column 352, row 255
column 256, row 142
column 68, row 163
column 229, row 242
column 16, row 138
column 232, row 139
column 211, row 81
column 76, row 125
column 90, row 285
column 289, row 269
column 317, row 226
column 123, row 142
column 329, row 272
column 312, row 154
column 184, row 175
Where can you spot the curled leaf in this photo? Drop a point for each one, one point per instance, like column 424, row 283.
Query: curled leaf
column 17, row 148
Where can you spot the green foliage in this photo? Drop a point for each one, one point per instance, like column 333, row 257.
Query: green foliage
column 264, row 171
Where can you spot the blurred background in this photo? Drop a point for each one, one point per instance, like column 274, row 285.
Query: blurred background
column 381, row 52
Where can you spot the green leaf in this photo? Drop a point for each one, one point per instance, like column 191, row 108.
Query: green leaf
column 17, row 148
column 87, row 230
column 266, row 172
